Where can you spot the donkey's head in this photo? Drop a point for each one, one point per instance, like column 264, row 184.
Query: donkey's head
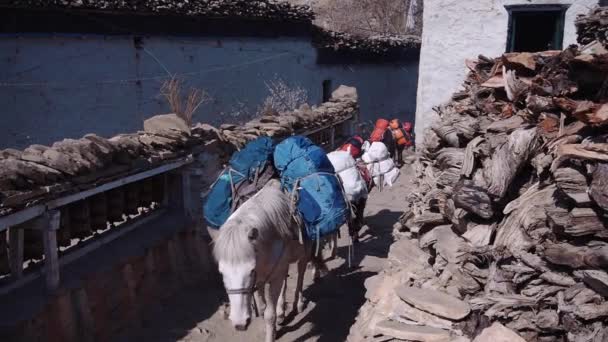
column 237, row 263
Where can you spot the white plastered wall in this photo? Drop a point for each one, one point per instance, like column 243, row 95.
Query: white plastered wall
column 454, row 30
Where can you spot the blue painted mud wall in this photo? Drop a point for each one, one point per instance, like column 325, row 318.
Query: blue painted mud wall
column 64, row 86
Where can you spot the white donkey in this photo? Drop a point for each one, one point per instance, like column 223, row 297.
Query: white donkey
column 254, row 249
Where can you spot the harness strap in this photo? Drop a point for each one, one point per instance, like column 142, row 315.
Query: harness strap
column 251, row 289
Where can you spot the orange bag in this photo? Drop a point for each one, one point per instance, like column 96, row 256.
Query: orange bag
column 395, row 124
column 399, row 136
column 378, row 133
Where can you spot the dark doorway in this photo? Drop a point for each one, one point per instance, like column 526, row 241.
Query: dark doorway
column 536, row 28
column 326, row 90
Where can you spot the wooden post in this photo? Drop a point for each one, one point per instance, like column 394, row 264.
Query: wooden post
column 187, row 194
column 332, row 138
column 51, row 259
column 165, row 203
column 16, row 251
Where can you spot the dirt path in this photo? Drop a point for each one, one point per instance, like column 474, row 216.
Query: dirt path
column 333, row 302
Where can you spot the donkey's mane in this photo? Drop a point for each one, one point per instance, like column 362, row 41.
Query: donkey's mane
column 268, row 211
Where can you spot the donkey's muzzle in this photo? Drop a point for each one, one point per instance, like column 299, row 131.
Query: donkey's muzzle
column 242, row 327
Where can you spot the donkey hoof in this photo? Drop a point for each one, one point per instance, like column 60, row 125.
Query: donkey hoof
column 280, row 317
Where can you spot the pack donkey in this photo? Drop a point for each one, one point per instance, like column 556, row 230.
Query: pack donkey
column 254, row 249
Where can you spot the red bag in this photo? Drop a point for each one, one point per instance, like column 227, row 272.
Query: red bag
column 355, row 144
column 380, row 128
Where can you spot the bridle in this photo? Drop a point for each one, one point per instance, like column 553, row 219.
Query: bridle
column 253, row 287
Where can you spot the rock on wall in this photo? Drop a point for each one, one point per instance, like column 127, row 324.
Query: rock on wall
column 458, row 29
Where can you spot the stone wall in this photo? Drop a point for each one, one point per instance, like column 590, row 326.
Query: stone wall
column 455, row 30
column 115, row 287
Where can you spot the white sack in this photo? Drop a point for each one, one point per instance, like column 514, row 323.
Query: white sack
column 344, row 164
column 380, row 164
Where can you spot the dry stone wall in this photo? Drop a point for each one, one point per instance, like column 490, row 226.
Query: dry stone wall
column 40, row 173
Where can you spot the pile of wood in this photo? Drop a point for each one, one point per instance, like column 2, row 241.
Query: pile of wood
column 508, row 219
column 243, row 9
column 40, row 173
column 593, row 26
column 375, row 45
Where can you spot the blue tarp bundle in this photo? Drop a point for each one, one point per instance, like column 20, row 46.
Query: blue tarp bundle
column 249, row 164
column 306, row 172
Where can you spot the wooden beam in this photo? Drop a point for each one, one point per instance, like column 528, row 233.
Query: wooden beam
column 117, row 183
column 51, row 259
column 21, row 216
column 16, row 252
column 35, row 211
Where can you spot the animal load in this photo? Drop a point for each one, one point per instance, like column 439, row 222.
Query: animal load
column 380, row 165
column 379, row 130
column 354, row 146
column 248, row 171
column 508, row 215
column 308, row 175
column 346, row 168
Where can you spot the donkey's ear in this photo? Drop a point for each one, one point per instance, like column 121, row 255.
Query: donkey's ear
column 253, row 234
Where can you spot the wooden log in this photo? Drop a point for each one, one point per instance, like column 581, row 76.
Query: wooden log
column 571, row 182
column 15, row 251
column 585, row 221
column 473, row 199
column 450, row 157
column 584, row 151
column 521, row 61
column 506, row 125
column 598, row 190
column 539, row 104
column 514, row 86
column 468, row 163
column 595, row 279
column 51, row 258
column 525, row 214
column 586, row 111
column 564, row 254
column 508, row 159
column 6, row 262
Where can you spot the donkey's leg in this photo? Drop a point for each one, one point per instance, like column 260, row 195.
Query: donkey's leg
column 281, row 302
column 270, row 314
column 259, row 299
column 334, row 245
column 299, row 299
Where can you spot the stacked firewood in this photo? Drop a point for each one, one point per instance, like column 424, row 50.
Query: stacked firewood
column 508, row 219
column 40, row 173
column 593, row 26
column 379, row 45
column 245, row 9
